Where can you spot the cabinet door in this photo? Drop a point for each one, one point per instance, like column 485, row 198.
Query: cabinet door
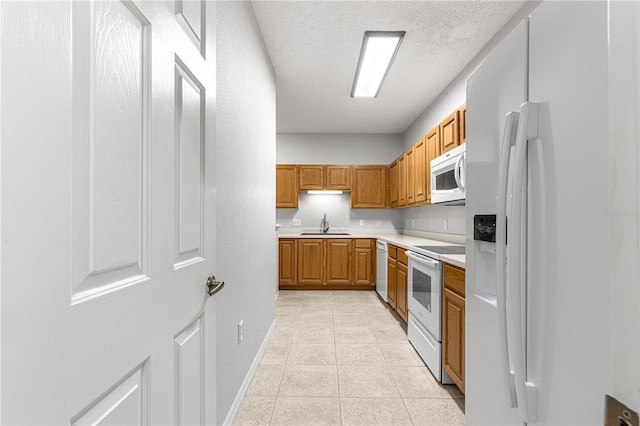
column 402, row 181
column 410, row 159
column 433, row 150
column 311, row 177
column 311, row 260
column 338, row 178
column 364, row 262
column 287, row 186
column 420, row 170
column 338, row 261
column 369, row 187
column 449, row 137
column 462, row 118
column 453, row 336
column 393, row 184
column 401, row 291
column 391, row 281
column 287, row 261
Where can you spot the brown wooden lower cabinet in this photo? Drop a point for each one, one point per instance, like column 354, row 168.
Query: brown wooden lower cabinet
column 401, row 297
column 397, row 280
column 364, row 261
column 327, row 263
column 338, row 267
column 311, row 261
column 287, row 261
column 453, row 317
column 392, row 268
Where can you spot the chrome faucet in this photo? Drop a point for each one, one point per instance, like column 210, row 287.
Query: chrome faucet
column 324, row 224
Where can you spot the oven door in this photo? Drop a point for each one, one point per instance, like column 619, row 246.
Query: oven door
column 425, row 291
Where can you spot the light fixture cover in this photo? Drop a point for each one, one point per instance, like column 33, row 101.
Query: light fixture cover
column 323, row 192
column 379, row 48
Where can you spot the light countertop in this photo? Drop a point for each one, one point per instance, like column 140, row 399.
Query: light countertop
column 408, row 240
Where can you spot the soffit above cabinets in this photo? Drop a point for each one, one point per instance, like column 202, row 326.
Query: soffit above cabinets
column 314, row 48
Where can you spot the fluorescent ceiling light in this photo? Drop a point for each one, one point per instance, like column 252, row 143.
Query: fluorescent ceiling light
column 312, row 192
column 377, row 53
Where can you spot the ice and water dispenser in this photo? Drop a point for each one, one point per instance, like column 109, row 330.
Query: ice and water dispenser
column 484, row 253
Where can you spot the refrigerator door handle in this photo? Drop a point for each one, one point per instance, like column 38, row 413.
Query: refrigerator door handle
column 517, row 254
column 508, row 140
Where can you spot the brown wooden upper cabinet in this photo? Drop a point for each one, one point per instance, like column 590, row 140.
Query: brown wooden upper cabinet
column 402, row 180
column 393, row 184
column 432, row 141
column 287, row 186
column 462, row 118
column 449, row 132
column 411, row 169
column 369, row 187
column 311, row 177
column 324, row 177
column 420, row 169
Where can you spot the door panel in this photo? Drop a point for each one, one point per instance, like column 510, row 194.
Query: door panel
column 127, row 403
column 189, row 370
column 189, row 156
column 111, row 118
column 109, row 180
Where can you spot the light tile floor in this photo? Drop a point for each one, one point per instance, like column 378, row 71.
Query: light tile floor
column 342, row 358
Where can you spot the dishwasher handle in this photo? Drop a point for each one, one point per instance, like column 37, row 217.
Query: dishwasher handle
column 382, row 245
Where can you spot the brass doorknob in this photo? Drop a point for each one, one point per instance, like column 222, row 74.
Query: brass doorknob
column 214, row 286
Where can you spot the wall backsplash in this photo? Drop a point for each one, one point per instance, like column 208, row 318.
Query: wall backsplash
column 341, row 215
column 432, row 218
column 311, row 208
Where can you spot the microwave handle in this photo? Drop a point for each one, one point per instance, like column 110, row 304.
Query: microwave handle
column 456, row 172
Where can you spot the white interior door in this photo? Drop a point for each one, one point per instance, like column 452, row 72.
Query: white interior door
column 107, row 186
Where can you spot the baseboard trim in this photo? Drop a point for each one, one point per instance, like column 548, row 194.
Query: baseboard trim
column 237, row 402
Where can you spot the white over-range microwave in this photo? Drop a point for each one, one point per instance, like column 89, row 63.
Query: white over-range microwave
column 448, row 177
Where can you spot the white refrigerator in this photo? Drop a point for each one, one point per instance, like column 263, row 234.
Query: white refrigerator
column 537, row 308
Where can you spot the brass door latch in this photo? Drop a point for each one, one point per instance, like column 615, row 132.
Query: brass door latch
column 214, row 286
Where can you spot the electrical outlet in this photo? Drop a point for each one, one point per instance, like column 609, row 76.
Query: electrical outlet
column 413, row 223
column 378, row 222
column 296, row 222
column 445, row 224
column 361, row 222
column 240, row 331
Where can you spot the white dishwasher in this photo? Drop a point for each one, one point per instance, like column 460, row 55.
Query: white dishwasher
column 382, row 252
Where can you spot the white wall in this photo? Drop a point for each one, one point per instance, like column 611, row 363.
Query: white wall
column 326, row 148
column 245, row 192
column 339, row 213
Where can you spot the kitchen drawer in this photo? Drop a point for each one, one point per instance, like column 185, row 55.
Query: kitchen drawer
column 402, row 256
column 454, row 278
column 362, row 243
column 393, row 251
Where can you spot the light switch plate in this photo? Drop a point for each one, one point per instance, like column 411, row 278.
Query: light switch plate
column 618, row 414
column 361, row 222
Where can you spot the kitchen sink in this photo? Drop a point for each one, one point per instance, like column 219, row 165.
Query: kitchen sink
column 324, row 233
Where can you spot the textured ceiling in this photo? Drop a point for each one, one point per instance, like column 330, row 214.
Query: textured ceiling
column 314, row 47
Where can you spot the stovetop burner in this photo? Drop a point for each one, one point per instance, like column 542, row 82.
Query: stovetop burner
column 443, row 249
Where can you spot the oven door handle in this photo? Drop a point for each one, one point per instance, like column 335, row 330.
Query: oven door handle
column 435, row 264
